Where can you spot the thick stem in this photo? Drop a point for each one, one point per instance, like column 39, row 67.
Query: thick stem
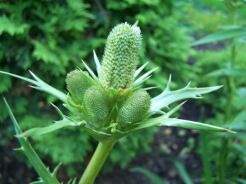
column 97, row 161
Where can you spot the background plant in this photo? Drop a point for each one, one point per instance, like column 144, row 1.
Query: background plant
column 228, row 66
column 49, row 47
column 26, row 33
column 108, row 104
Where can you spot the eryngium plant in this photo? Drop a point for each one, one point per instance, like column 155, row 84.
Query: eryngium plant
column 110, row 106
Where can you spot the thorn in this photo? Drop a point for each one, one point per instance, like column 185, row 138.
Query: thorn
column 168, row 83
column 56, row 169
column 89, row 69
column 32, row 74
column 140, row 69
column 230, row 131
column 149, row 88
column 188, row 85
column 58, row 110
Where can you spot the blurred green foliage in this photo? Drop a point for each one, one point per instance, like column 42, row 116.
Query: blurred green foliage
column 50, row 37
column 222, row 62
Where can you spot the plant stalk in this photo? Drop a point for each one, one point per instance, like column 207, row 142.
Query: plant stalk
column 225, row 142
column 100, row 155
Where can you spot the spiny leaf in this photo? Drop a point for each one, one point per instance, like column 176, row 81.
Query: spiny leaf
column 40, row 85
column 165, row 121
column 175, row 109
column 51, row 128
column 32, row 156
column 168, row 97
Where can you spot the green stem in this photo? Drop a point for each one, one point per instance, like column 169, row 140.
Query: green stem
column 223, row 156
column 100, row 155
column 205, row 159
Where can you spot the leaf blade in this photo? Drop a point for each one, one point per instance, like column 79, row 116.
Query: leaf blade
column 174, row 122
column 32, row 156
column 37, row 131
column 40, row 85
column 168, row 97
column 222, row 35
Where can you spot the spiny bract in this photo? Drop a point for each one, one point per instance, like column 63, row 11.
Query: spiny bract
column 135, row 108
column 77, row 83
column 121, row 56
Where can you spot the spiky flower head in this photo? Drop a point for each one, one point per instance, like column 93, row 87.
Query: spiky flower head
column 96, row 104
column 121, row 56
column 77, row 83
column 134, row 108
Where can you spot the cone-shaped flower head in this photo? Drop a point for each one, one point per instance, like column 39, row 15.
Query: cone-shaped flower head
column 77, row 83
column 121, row 56
column 135, row 108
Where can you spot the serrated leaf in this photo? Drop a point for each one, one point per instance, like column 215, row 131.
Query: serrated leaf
column 168, row 97
column 51, row 128
column 222, row 35
column 174, row 122
column 32, row 156
column 40, row 85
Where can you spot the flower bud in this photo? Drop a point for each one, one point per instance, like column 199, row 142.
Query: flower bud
column 96, row 104
column 121, row 56
column 135, row 108
column 77, row 83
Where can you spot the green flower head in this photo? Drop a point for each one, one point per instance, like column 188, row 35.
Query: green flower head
column 135, row 108
column 121, row 56
column 77, row 83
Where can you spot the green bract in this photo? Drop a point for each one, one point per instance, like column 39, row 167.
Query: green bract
column 120, row 56
column 111, row 106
